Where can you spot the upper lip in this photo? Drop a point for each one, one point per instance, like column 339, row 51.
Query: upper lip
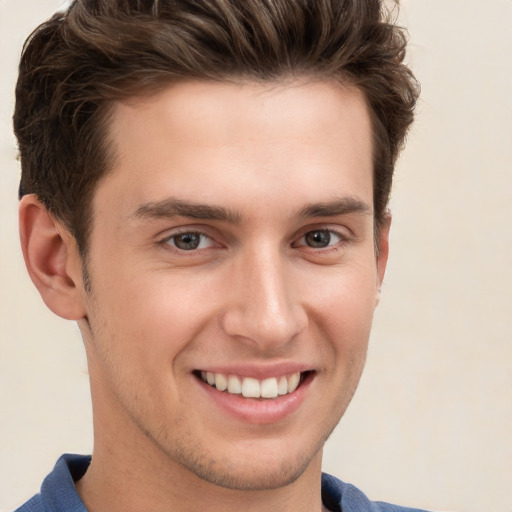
column 258, row 370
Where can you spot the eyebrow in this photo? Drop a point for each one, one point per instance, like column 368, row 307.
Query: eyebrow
column 169, row 208
column 342, row 206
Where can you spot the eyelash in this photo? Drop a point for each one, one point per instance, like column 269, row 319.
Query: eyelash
column 341, row 240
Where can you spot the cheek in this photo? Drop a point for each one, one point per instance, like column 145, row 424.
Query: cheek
column 156, row 310
column 341, row 313
column 345, row 297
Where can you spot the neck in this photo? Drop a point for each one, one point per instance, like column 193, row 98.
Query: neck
column 130, row 473
column 118, row 482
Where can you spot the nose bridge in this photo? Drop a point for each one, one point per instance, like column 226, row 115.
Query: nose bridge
column 264, row 307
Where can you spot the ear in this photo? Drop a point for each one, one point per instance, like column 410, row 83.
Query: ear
column 382, row 252
column 52, row 259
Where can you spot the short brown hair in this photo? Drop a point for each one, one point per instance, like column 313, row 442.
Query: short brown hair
column 99, row 51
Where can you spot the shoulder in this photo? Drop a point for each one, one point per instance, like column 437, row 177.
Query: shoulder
column 339, row 496
column 34, row 504
column 58, row 492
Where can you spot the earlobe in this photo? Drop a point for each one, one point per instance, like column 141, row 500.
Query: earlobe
column 52, row 260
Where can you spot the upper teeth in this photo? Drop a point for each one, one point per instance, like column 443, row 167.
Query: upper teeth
column 250, row 387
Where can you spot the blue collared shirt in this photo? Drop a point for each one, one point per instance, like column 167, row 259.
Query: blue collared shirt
column 58, row 492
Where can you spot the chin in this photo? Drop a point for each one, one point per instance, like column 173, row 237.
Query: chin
column 266, row 468
column 264, row 476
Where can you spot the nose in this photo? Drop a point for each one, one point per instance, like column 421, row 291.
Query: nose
column 264, row 307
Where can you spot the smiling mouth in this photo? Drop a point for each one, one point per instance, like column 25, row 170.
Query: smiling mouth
column 250, row 387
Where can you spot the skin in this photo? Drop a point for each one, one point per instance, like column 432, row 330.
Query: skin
column 255, row 296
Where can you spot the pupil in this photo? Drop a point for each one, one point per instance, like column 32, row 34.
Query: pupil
column 187, row 241
column 318, row 238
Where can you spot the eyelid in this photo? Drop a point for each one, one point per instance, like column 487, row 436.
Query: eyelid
column 333, row 228
column 180, row 229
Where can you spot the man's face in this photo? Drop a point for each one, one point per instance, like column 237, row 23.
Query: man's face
column 232, row 242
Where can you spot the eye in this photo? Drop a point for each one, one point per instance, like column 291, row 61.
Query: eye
column 320, row 239
column 189, row 241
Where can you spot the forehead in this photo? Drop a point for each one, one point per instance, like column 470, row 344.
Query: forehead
column 200, row 138
column 225, row 109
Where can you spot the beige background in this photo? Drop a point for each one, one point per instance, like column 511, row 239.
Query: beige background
column 431, row 424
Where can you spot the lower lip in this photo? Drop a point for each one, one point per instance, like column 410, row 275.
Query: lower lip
column 258, row 411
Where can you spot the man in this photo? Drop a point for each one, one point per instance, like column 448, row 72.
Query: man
column 204, row 190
